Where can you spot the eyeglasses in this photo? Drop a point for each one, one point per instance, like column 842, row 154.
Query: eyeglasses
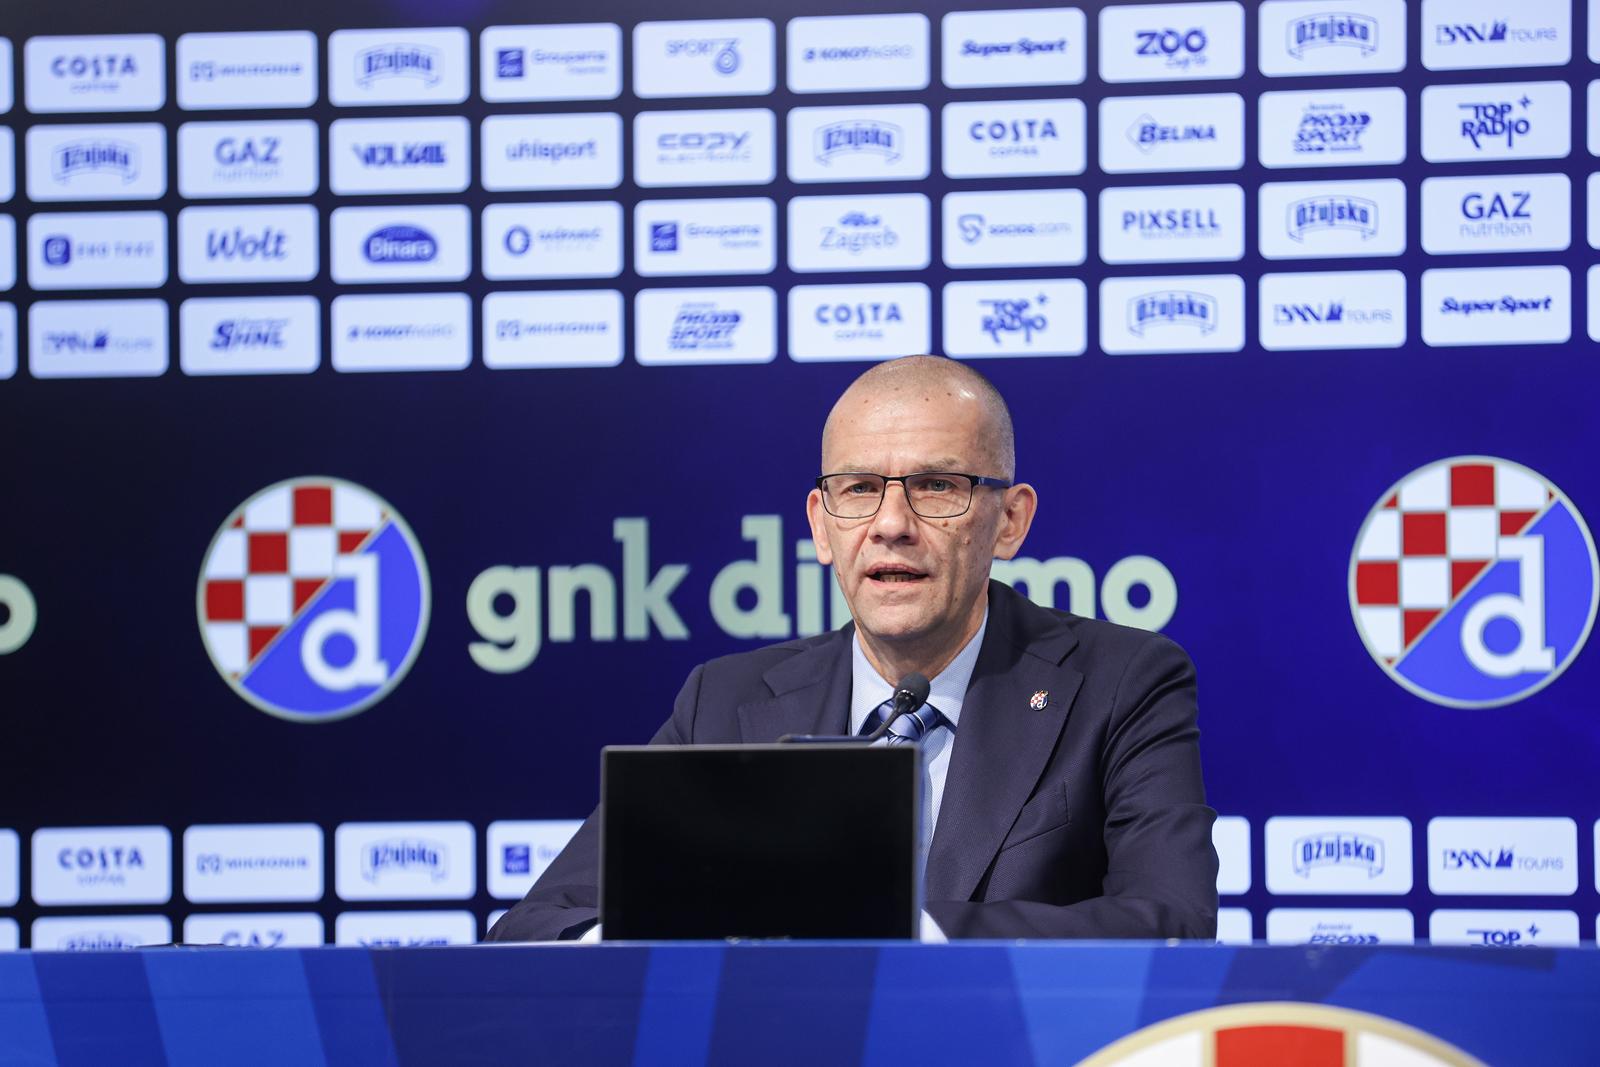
column 931, row 494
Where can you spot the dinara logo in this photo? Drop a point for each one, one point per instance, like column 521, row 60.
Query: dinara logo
column 313, row 599
column 1474, row 582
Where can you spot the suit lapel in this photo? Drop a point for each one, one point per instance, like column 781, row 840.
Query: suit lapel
column 811, row 694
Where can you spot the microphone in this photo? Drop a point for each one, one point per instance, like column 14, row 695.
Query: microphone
column 909, row 695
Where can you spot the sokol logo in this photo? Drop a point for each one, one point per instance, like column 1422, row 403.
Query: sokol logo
column 1474, row 582
column 313, row 599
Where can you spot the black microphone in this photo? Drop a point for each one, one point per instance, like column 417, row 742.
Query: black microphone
column 909, row 695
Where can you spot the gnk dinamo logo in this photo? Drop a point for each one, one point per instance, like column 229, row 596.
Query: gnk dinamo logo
column 313, row 599
column 1474, row 582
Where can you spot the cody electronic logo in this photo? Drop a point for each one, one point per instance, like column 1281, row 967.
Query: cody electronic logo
column 313, row 599
column 1474, row 582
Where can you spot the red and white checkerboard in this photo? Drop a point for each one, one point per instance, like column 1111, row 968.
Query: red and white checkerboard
column 1431, row 540
column 272, row 559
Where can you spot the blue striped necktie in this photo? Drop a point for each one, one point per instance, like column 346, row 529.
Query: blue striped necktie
column 908, row 728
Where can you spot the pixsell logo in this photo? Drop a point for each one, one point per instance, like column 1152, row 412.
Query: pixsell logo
column 1474, row 582
column 313, row 599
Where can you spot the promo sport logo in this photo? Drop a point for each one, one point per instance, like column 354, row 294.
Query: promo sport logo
column 1474, row 582
column 313, row 599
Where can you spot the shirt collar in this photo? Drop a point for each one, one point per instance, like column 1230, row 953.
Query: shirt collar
column 946, row 691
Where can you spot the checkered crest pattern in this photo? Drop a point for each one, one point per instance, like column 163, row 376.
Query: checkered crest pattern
column 272, row 559
column 1431, row 540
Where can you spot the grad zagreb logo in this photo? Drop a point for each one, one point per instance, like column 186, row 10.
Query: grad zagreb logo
column 1474, row 582
column 313, row 599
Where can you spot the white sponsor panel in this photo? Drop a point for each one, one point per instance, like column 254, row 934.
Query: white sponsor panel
column 493, row 917
column 405, row 860
column 243, row 159
column 8, row 252
column 409, row 155
column 1171, row 224
column 569, row 328
column 247, row 70
column 685, row 326
column 580, row 61
column 102, row 864
column 1230, row 836
column 1233, row 926
column 1031, row 228
column 401, row 244
column 1171, row 42
column 8, row 341
column 1194, row 313
column 1592, row 188
column 282, row 929
column 737, row 236
column 10, row 868
column 1031, row 317
column 1160, row 133
column 857, row 53
column 99, row 933
column 575, row 239
column 224, row 864
column 730, row 147
column 1497, row 213
column 1034, row 46
column 1327, row 309
column 1475, row 34
column 97, row 250
column 552, row 152
column 105, row 73
column 1005, row 138
column 7, row 62
column 275, row 242
column 1593, row 137
column 10, row 935
column 726, row 57
column 1593, row 287
column 8, row 164
column 1594, row 33
column 841, row 233
column 251, row 335
column 404, row 929
column 1341, row 926
column 1299, row 37
column 1503, row 928
column 1328, row 220
column 851, row 322
column 1502, row 857
column 127, row 161
column 97, row 338
column 1496, row 306
column 368, row 68
column 1367, row 856
column 403, row 332
column 1332, row 128
column 858, row 144
column 520, row 851
column 1499, row 120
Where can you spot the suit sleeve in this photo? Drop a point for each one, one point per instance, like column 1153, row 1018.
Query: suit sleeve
column 565, row 901
column 1161, row 868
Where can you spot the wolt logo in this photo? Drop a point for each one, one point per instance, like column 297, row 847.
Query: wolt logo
column 313, row 599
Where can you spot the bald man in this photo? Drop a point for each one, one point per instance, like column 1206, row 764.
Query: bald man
column 1061, row 768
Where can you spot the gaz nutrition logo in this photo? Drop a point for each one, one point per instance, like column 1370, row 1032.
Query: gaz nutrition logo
column 313, row 599
column 1474, row 582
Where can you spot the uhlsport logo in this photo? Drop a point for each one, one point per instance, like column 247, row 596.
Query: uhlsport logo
column 1474, row 582
column 313, row 599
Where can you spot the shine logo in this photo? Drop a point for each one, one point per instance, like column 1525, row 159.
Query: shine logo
column 313, row 599
column 1474, row 582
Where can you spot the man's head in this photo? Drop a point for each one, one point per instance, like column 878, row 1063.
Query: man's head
column 917, row 585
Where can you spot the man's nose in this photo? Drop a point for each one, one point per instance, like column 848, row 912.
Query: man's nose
column 894, row 518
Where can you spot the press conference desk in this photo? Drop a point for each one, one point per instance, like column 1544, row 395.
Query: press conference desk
column 824, row 1004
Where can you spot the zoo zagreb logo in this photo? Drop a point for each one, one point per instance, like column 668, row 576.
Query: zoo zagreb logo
column 313, row 599
column 1474, row 582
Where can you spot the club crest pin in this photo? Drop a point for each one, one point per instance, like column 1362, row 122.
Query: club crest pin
column 1038, row 701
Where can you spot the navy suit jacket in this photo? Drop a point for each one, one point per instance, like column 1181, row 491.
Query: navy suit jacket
column 1086, row 818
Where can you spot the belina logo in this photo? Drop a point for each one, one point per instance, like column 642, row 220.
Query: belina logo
column 1474, row 582
column 313, row 599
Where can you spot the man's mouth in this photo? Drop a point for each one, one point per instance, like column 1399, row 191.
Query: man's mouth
column 895, row 573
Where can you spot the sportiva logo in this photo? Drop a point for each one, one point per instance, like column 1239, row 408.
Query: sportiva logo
column 313, row 599
column 1333, row 29
column 1474, row 582
column 1357, row 851
column 1319, row 213
column 1195, row 311
column 863, row 136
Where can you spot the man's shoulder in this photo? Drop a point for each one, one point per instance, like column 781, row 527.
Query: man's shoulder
column 1095, row 644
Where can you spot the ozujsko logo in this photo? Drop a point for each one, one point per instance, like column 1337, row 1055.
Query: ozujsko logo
column 313, row 599
column 1474, row 582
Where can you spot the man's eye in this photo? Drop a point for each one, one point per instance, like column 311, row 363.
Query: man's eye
column 937, row 485
column 859, row 488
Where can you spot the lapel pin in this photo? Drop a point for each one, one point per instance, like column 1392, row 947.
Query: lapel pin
column 1038, row 701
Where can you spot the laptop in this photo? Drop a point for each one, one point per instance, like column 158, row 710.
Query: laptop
column 707, row 842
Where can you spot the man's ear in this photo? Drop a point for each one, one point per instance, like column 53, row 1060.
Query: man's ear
column 819, row 531
column 1018, row 507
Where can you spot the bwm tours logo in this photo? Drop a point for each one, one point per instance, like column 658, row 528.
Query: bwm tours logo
column 313, row 599
column 1474, row 582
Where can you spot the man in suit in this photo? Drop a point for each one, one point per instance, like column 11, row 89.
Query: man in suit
column 1060, row 754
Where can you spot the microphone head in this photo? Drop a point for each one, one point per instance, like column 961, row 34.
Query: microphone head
column 912, row 692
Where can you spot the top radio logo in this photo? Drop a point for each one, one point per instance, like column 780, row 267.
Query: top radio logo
column 313, row 599
column 1474, row 582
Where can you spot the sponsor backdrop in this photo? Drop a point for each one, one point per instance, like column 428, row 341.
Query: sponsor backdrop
column 395, row 412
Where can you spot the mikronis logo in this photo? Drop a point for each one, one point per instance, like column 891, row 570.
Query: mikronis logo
column 313, row 599
column 1474, row 582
